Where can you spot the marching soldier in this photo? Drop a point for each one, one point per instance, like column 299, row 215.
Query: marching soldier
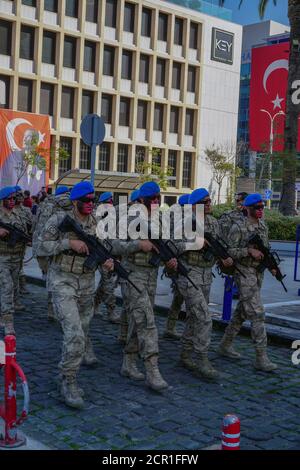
column 10, row 256
column 250, row 306
column 238, row 215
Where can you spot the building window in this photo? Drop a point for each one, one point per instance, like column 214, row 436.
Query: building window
column 189, row 122
column 47, row 99
column 27, row 43
column 178, row 32
column 191, row 84
column 49, row 47
column 106, row 108
column 158, row 117
column 124, row 112
column 129, row 12
column 30, row 3
column 87, row 103
column 126, row 65
column 162, row 27
column 111, row 13
column 104, row 156
column 65, row 164
column 160, row 72
column 194, row 36
column 122, row 164
column 146, row 22
column 176, row 75
column 172, row 163
column 144, row 68
column 70, row 52
column 85, row 156
column 25, row 95
column 187, row 170
column 92, row 11
column 142, row 114
column 89, row 56
column 174, row 120
column 67, row 102
column 156, row 156
column 4, row 91
column 140, row 157
column 72, row 8
column 109, row 61
column 50, row 5
column 5, row 37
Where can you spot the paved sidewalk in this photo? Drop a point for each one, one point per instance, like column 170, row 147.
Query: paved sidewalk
column 122, row 415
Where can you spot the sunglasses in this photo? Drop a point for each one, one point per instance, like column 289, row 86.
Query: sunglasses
column 258, row 207
column 156, row 197
column 11, row 198
column 206, row 202
column 87, row 199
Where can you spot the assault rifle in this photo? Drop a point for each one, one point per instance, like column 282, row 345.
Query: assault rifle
column 219, row 251
column 98, row 252
column 270, row 261
column 15, row 235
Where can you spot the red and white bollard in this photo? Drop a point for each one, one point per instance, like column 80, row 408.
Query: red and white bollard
column 231, row 433
column 8, row 410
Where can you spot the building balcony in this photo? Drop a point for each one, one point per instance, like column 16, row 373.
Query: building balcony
column 50, row 17
column 88, row 78
column 123, row 132
column 71, row 23
column 157, row 137
column 188, row 141
column 173, row 139
column 108, row 130
column 7, row 7
column 68, row 74
column 143, row 89
column 162, row 47
column 141, row 135
column 128, row 38
column 108, row 82
column 177, row 51
column 190, row 98
column 145, row 42
column 28, row 12
column 26, row 66
column 91, row 28
column 125, row 85
column 175, row 95
column 159, row 92
column 110, row 33
column 193, row 55
column 5, row 61
column 48, row 70
column 66, row 124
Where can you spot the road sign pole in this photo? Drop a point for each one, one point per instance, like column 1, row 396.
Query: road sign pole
column 93, row 163
column 92, row 130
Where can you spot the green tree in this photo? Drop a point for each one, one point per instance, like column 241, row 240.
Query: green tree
column 288, row 197
column 222, row 166
column 154, row 171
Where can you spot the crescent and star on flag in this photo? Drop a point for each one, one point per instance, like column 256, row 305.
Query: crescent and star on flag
column 275, row 65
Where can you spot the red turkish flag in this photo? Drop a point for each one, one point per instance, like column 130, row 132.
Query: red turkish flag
column 268, row 87
column 17, row 130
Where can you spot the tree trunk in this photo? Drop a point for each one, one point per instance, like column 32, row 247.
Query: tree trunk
column 288, row 197
column 219, row 193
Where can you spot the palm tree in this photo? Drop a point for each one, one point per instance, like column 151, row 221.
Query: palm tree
column 288, row 198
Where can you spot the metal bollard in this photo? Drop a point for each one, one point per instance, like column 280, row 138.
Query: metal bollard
column 231, row 433
column 8, row 410
column 227, row 299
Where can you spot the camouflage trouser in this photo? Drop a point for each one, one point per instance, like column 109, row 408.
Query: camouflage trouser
column 73, row 298
column 198, row 326
column 176, row 305
column 142, row 334
column 105, row 292
column 10, row 267
column 249, row 307
column 125, row 309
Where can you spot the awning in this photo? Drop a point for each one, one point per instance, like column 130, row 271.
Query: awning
column 104, row 180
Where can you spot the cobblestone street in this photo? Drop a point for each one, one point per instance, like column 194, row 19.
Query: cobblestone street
column 120, row 414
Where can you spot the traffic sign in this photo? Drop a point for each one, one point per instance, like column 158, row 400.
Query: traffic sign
column 92, row 130
column 268, row 194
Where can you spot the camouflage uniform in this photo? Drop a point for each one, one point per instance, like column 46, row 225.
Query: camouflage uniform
column 10, row 267
column 197, row 333
column 250, row 306
column 26, row 213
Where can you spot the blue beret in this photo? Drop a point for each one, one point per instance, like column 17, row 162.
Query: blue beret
column 105, row 196
column 18, row 188
column 252, row 199
column 148, row 189
column 7, row 191
column 61, row 190
column 81, row 189
column 134, row 195
column 198, row 195
column 184, row 199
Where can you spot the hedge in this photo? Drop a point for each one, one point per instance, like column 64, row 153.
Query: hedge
column 280, row 227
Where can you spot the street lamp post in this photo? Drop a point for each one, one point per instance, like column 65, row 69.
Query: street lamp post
column 272, row 119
